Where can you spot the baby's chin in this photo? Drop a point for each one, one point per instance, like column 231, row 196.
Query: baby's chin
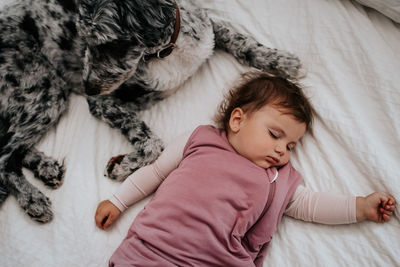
column 266, row 164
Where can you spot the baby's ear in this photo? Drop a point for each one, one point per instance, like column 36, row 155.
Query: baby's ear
column 236, row 119
column 98, row 21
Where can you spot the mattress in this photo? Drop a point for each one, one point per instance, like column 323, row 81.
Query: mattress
column 351, row 55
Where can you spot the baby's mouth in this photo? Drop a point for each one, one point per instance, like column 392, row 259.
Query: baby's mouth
column 272, row 160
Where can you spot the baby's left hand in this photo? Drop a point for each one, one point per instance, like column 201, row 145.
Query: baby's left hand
column 377, row 207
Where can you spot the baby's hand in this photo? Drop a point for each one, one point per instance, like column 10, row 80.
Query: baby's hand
column 106, row 214
column 376, row 207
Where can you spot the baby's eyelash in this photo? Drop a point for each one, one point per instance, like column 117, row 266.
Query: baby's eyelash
column 290, row 148
column 272, row 134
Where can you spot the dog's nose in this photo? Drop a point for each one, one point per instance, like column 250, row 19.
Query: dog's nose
column 91, row 89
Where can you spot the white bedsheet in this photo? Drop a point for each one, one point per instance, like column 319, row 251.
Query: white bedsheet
column 352, row 55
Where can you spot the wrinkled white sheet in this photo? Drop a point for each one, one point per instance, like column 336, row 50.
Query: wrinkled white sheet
column 352, row 55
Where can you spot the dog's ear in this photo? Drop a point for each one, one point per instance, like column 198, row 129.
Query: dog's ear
column 98, row 21
column 137, row 21
column 145, row 22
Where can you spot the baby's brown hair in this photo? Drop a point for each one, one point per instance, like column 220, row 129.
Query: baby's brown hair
column 257, row 89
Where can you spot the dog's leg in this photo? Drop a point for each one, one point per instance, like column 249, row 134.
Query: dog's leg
column 45, row 168
column 146, row 145
column 29, row 120
column 31, row 200
column 248, row 51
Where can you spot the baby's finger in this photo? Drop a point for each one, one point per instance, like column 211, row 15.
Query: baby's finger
column 99, row 217
column 385, row 217
column 109, row 220
column 389, row 207
column 100, row 222
column 387, row 212
column 392, row 200
column 106, row 223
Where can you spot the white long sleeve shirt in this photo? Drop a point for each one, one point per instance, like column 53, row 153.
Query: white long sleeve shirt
column 305, row 204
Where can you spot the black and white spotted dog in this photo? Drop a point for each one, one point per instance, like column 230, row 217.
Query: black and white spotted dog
column 50, row 48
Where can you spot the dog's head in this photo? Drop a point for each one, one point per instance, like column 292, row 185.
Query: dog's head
column 116, row 33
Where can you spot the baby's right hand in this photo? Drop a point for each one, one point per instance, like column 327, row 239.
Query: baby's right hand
column 106, row 214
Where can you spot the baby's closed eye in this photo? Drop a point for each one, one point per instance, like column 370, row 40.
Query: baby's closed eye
column 273, row 134
column 291, row 146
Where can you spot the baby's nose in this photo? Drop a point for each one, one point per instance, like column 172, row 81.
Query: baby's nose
column 279, row 150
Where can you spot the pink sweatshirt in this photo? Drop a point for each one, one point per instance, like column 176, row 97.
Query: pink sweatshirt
column 305, row 204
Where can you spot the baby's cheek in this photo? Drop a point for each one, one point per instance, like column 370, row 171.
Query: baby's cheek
column 285, row 159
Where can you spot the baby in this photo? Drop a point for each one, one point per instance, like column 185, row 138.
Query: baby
column 222, row 191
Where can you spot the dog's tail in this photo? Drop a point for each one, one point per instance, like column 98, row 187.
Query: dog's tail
column 254, row 54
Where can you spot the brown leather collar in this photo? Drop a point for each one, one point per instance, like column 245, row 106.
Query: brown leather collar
column 166, row 50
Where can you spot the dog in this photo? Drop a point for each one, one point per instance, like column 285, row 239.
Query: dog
column 125, row 55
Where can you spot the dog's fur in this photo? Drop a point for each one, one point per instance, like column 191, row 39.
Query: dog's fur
column 51, row 48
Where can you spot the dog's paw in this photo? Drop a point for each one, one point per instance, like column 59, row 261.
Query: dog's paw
column 289, row 65
column 50, row 172
column 278, row 62
column 118, row 168
column 144, row 153
column 36, row 205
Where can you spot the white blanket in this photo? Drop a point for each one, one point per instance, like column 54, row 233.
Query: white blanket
column 352, row 55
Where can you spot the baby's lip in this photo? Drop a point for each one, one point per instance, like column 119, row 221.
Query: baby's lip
column 272, row 160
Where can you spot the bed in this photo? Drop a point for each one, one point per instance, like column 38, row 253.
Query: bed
column 352, row 56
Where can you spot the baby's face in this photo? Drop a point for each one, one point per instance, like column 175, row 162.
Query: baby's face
column 266, row 137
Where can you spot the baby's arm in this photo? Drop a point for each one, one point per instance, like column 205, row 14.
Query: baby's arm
column 141, row 183
column 329, row 208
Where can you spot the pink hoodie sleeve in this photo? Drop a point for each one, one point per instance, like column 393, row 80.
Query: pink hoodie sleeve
column 145, row 180
column 325, row 208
